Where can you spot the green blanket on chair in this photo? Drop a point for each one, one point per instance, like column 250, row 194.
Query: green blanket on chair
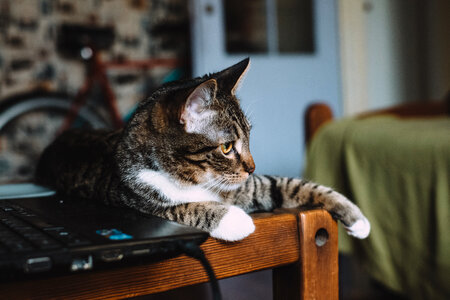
column 398, row 172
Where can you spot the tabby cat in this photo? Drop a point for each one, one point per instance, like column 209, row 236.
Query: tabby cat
column 184, row 156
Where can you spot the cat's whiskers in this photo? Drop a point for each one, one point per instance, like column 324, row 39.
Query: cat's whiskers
column 216, row 184
column 189, row 178
column 213, row 185
column 222, row 184
column 248, row 111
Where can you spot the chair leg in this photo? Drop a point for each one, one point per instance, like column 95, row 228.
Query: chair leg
column 315, row 275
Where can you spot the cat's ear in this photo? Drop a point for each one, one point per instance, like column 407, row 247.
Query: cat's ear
column 231, row 78
column 195, row 111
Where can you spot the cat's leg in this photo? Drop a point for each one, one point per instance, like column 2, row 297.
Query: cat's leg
column 268, row 192
column 301, row 192
column 222, row 221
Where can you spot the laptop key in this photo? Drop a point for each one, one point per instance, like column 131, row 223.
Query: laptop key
column 37, row 238
column 19, row 247
column 40, row 233
column 41, row 240
column 67, row 237
column 78, row 242
column 7, row 208
column 16, row 244
column 27, row 234
column 46, row 244
column 12, row 221
column 26, row 215
column 12, row 241
column 36, row 221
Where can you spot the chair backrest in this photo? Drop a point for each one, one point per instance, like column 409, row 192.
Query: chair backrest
column 415, row 109
column 318, row 114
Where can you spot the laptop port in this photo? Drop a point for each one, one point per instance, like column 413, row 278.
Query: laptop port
column 140, row 252
column 111, row 255
column 82, row 263
column 37, row 264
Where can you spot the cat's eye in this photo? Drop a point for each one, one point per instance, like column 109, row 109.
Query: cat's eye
column 226, row 148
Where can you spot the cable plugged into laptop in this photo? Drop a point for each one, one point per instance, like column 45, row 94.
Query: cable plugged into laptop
column 193, row 250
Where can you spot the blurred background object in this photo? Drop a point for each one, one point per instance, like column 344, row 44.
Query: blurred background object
column 46, row 55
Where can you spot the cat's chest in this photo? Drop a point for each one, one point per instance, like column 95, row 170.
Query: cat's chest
column 172, row 191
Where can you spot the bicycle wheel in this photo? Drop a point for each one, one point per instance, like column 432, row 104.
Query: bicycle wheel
column 28, row 123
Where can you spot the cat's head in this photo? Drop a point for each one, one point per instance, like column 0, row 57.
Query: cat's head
column 195, row 131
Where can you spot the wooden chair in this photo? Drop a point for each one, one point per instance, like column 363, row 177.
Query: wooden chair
column 300, row 247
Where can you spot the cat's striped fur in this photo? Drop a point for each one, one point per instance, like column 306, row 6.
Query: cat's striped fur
column 185, row 156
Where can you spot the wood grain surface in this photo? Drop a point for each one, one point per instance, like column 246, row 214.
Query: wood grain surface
column 319, row 268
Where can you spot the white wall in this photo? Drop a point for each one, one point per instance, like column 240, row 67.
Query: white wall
column 278, row 88
column 394, row 61
column 393, row 51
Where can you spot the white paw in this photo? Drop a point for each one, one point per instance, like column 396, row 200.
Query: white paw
column 235, row 225
column 360, row 229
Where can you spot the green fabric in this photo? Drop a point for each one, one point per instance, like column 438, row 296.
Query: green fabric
column 398, row 172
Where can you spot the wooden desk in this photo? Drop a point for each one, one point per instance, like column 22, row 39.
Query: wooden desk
column 284, row 241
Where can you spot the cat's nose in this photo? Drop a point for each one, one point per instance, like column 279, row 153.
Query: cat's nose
column 249, row 166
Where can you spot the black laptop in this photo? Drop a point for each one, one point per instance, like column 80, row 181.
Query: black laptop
column 42, row 233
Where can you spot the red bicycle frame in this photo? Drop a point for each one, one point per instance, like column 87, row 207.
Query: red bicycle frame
column 97, row 73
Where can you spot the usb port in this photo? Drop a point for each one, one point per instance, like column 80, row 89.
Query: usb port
column 140, row 252
column 38, row 264
column 111, row 255
column 82, row 263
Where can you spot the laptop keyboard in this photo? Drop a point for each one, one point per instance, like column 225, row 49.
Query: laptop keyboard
column 21, row 231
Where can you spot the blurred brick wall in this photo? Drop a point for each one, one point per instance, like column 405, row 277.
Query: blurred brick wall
column 143, row 29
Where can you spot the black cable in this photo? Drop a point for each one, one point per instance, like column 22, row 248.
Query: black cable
column 193, row 250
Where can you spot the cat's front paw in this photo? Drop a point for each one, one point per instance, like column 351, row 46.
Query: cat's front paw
column 360, row 229
column 235, row 225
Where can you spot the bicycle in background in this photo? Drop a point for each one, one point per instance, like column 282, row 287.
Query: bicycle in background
column 31, row 121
